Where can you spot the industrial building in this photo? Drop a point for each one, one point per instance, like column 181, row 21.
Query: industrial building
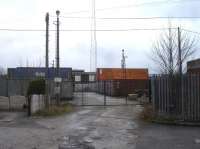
column 80, row 76
column 34, row 72
column 193, row 66
column 20, row 77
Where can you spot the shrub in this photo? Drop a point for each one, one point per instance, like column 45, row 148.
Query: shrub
column 36, row 87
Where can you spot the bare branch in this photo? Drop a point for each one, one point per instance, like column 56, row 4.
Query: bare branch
column 165, row 51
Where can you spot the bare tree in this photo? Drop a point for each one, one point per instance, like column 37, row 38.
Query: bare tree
column 165, row 50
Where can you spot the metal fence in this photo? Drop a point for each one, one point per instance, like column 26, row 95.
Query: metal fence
column 12, row 87
column 176, row 97
column 12, row 91
column 109, row 92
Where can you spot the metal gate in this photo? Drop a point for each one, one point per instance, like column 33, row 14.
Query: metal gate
column 101, row 93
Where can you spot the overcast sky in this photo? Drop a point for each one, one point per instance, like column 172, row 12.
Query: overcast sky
column 28, row 48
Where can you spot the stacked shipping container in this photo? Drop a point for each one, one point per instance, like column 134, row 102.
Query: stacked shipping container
column 119, row 74
column 121, row 82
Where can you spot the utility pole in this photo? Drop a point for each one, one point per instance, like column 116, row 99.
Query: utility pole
column 47, row 59
column 93, row 50
column 47, row 43
column 170, row 52
column 123, row 61
column 179, row 52
column 180, row 72
column 57, row 45
column 123, row 64
column 57, row 80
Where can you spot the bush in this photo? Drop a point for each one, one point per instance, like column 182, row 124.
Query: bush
column 36, row 87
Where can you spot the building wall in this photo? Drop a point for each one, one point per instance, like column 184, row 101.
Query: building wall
column 12, row 102
column 34, row 72
column 193, row 66
column 37, row 103
column 3, row 86
column 79, row 76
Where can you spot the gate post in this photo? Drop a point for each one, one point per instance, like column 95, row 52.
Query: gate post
column 104, row 90
column 82, row 94
column 29, row 105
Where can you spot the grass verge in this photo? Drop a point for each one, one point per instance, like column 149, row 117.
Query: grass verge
column 55, row 110
column 147, row 113
column 148, row 116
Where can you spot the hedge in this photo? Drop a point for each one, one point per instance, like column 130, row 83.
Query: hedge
column 36, row 87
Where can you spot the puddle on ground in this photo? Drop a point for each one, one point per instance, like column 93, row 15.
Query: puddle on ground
column 84, row 112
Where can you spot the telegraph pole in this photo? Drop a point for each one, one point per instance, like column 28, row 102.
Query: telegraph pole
column 57, row 80
column 47, row 58
column 93, row 50
column 57, row 44
column 123, row 64
column 123, row 61
column 180, row 72
column 47, row 43
column 179, row 52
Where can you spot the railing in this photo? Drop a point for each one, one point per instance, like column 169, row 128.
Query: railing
column 177, row 97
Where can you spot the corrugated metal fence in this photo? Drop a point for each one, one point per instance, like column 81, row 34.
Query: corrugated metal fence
column 176, row 97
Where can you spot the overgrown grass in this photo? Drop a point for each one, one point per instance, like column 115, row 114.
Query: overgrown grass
column 55, row 110
column 147, row 113
column 164, row 120
column 148, row 116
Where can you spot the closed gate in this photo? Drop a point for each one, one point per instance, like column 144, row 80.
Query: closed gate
column 101, row 93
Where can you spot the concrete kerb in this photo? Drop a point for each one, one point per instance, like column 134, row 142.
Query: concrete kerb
column 4, row 103
column 177, row 123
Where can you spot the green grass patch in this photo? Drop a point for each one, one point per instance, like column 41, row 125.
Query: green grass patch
column 164, row 120
column 55, row 110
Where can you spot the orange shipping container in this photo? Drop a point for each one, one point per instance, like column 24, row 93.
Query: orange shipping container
column 119, row 73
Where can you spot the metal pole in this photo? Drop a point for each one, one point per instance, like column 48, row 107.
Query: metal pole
column 57, row 44
column 47, row 41
column 82, row 94
column 179, row 51
column 47, row 59
column 180, row 71
column 57, row 55
column 104, row 93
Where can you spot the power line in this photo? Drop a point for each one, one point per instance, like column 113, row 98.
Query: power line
column 74, row 30
column 132, row 18
column 136, row 5
column 148, row 4
column 190, row 31
column 22, row 30
column 148, row 18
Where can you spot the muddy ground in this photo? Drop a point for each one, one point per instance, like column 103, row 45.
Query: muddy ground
column 110, row 127
column 103, row 127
